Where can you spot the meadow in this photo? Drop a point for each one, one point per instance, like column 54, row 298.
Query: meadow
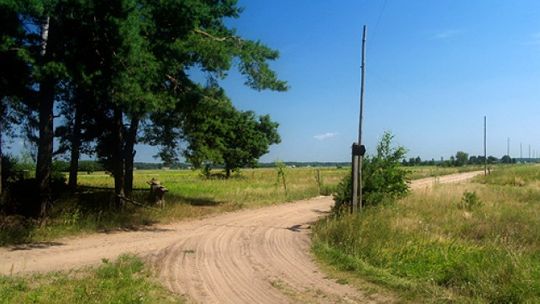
column 190, row 195
column 126, row 280
column 474, row 242
column 417, row 172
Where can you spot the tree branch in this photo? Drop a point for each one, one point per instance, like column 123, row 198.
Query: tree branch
column 220, row 39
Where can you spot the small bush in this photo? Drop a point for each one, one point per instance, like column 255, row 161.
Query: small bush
column 383, row 178
column 469, row 201
column 15, row 229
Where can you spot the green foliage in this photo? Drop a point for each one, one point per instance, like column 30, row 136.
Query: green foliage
column 112, row 67
column 281, row 175
column 383, row 178
column 219, row 134
column 461, row 158
column 469, row 201
column 125, row 280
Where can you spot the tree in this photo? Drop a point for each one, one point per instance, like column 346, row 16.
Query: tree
column 461, row 158
column 507, row 160
column 14, row 75
column 112, row 66
column 218, row 134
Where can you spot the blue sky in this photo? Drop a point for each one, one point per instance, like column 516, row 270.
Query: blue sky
column 434, row 69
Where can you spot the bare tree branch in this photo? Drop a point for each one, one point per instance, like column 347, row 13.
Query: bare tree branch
column 220, row 39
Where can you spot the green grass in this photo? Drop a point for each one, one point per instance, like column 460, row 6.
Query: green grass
column 125, row 280
column 428, row 248
column 417, row 172
column 190, row 196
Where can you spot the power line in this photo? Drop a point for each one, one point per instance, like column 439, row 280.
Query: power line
column 377, row 24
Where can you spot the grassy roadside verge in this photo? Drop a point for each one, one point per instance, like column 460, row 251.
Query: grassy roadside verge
column 125, row 280
column 443, row 245
column 417, row 172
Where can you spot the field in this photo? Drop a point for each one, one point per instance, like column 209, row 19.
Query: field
column 126, row 280
column 417, row 172
column 477, row 242
column 190, row 196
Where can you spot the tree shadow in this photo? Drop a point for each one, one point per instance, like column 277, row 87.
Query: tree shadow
column 320, row 211
column 195, row 201
column 35, row 245
column 298, row 227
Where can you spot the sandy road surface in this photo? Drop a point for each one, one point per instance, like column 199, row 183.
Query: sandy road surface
column 251, row 256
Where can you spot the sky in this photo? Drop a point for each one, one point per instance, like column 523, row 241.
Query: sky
column 433, row 70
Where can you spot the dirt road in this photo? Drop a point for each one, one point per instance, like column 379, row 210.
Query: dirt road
column 251, row 256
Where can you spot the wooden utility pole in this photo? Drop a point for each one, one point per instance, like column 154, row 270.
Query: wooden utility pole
column 521, row 151
column 508, row 146
column 358, row 155
column 485, row 150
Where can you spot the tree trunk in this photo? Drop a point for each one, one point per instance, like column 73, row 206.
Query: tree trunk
column 227, row 172
column 46, row 134
column 45, row 146
column 129, row 154
column 2, row 115
column 118, row 159
column 75, row 148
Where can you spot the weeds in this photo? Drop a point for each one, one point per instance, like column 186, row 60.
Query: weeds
column 469, row 201
column 430, row 251
column 124, row 281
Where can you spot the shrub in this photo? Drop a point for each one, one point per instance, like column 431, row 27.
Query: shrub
column 383, row 177
column 469, row 201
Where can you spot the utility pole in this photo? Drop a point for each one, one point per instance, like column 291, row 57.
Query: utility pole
column 520, row 151
column 508, row 146
column 359, row 149
column 529, row 152
column 485, row 150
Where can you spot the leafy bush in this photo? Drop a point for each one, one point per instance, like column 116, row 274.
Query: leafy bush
column 469, row 201
column 383, row 177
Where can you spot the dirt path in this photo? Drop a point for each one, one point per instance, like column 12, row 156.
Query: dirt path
column 251, row 256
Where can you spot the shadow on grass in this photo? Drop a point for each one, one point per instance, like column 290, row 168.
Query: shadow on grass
column 96, row 196
column 92, row 209
column 194, row 201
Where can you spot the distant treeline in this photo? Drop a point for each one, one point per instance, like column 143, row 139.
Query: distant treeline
column 461, row 159
column 92, row 165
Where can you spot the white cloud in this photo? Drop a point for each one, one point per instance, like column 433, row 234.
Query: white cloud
column 446, row 34
column 326, row 135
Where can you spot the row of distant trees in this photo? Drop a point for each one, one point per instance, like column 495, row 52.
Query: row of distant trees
column 99, row 77
column 460, row 159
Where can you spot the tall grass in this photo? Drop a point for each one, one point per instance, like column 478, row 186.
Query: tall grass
column 125, row 280
column 431, row 248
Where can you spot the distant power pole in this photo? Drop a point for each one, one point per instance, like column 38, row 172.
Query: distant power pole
column 520, row 151
column 508, row 146
column 529, row 151
column 359, row 149
column 485, row 150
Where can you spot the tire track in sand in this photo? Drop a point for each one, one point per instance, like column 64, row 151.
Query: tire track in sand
column 251, row 256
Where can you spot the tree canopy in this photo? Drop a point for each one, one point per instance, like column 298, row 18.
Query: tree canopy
column 105, row 75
